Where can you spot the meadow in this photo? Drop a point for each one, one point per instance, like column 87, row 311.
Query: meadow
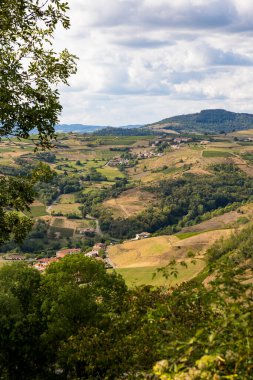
column 151, row 275
column 158, row 251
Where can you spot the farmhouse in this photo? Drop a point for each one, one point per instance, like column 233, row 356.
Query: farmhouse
column 83, row 231
column 92, row 253
column 14, row 257
column 99, row 246
column 142, row 235
column 42, row 264
column 180, row 140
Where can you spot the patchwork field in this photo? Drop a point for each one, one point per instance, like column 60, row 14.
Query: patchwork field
column 158, row 251
column 129, row 203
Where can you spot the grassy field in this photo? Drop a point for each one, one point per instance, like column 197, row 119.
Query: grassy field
column 37, row 211
column 63, row 222
column 111, row 173
column 63, row 232
column 216, row 153
column 67, row 198
column 129, row 203
column 145, row 275
column 186, row 235
column 158, row 251
column 66, row 208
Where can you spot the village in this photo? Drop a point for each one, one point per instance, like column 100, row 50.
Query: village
column 174, row 143
column 98, row 252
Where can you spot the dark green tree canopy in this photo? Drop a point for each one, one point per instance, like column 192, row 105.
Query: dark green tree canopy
column 30, row 69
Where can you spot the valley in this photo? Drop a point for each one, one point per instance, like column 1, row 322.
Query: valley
column 108, row 187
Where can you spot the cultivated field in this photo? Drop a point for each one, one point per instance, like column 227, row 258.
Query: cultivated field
column 129, row 203
column 158, row 251
column 65, row 208
column 145, row 275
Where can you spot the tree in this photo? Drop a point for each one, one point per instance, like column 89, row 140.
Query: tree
column 30, row 71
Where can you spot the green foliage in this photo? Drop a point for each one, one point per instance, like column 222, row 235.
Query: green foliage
column 113, row 131
column 184, row 202
column 46, row 156
column 16, row 194
column 78, row 321
column 40, row 315
column 29, row 69
column 29, row 75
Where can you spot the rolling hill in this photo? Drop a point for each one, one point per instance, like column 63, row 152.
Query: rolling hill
column 207, row 121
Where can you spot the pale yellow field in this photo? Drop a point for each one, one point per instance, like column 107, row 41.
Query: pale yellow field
column 66, row 208
column 175, row 159
column 59, row 221
column 67, row 199
column 215, row 223
column 243, row 133
column 131, row 202
column 158, row 251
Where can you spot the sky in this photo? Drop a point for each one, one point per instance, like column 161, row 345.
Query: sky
column 144, row 60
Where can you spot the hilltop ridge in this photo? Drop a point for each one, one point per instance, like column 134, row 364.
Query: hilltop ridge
column 209, row 121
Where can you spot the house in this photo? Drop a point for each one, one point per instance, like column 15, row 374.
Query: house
column 204, row 142
column 15, row 257
column 99, row 246
column 92, row 254
column 142, row 235
column 42, row 264
column 63, row 252
column 180, row 140
column 84, row 231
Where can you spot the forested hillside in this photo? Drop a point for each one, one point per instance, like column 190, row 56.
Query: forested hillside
column 79, row 322
column 209, row 121
column 184, row 201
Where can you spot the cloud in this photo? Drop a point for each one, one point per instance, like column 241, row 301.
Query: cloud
column 142, row 60
column 142, row 43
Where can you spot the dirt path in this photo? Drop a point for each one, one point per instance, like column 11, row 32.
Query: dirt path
column 122, row 208
column 49, row 208
column 98, row 229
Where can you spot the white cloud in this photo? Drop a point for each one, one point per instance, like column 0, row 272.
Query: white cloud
column 143, row 60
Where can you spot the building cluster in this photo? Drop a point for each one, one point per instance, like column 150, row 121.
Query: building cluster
column 180, row 140
column 118, row 161
column 142, row 235
column 84, row 231
column 42, row 264
column 148, row 155
column 95, row 252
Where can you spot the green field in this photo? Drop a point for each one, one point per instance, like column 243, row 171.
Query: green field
column 111, row 173
column 248, row 157
column 144, row 275
column 186, row 235
column 65, row 232
column 37, row 211
column 216, row 153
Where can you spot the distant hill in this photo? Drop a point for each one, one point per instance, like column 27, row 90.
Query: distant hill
column 124, row 131
column 82, row 128
column 209, row 121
